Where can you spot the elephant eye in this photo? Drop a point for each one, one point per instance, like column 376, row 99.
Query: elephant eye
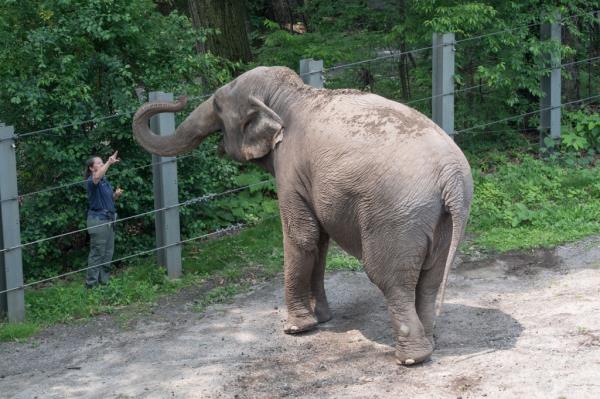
column 245, row 124
column 249, row 118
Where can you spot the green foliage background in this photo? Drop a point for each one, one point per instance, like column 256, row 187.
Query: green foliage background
column 68, row 61
column 64, row 62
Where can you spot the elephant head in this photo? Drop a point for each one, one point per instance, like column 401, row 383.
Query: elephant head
column 242, row 110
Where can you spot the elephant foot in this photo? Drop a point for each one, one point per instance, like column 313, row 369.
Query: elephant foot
column 296, row 325
column 323, row 313
column 414, row 351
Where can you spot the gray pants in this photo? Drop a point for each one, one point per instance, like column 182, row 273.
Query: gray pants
column 102, row 247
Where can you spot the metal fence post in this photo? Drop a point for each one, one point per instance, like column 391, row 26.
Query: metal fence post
column 551, row 84
column 311, row 72
column 12, row 304
column 442, row 102
column 166, row 193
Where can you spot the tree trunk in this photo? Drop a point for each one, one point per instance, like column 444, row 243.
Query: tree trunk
column 403, row 69
column 195, row 17
column 283, row 12
column 287, row 12
column 229, row 18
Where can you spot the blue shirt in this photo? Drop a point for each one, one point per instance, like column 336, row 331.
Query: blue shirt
column 100, row 199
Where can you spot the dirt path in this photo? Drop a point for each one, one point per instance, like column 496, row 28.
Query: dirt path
column 522, row 325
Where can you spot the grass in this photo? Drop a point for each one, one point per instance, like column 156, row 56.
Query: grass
column 17, row 332
column 520, row 202
column 227, row 265
column 524, row 202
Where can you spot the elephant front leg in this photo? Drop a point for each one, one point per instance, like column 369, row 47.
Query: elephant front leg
column 298, row 269
column 317, row 286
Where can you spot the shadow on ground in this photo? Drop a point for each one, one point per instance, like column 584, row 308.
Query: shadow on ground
column 460, row 329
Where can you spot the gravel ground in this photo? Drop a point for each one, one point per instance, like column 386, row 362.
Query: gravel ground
column 518, row 325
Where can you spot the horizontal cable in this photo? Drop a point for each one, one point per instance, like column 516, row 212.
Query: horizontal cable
column 191, row 201
column 526, row 114
column 525, row 129
column 590, row 60
column 204, row 96
column 99, row 119
column 482, row 85
column 444, row 94
column 83, row 181
column 219, row 232
column 468, row 39
column 93, row 120
column 385, row 57
column 115, row 115
column 394, row 55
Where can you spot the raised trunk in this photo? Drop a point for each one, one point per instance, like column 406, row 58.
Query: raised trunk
column 195, row 128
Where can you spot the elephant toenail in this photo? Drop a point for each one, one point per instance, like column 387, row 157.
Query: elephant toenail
column 404, row 330
column 409, row 362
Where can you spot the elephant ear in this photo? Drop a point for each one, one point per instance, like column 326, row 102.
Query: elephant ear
column 262, row 129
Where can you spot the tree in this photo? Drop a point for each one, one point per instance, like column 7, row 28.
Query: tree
column 287, row 12
column 68, row 61
column 228, row 19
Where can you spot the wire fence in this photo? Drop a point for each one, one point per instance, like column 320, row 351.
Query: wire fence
column 333, row 68
column 208, row 197
column 591, row 59
column 191, row 201
column 92, row 120
column 80, row 182
column 217, row 233
column 510, row 118
column 456, row 42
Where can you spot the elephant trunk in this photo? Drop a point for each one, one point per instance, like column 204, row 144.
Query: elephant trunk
column 195, row 128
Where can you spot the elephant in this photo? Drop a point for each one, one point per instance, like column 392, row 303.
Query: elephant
column 379, row 178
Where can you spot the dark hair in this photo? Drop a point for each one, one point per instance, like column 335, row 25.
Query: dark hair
column 88, row 164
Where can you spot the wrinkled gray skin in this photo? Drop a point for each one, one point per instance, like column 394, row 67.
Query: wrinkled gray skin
column 379, row 178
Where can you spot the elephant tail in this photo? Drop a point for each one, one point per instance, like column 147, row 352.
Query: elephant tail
column 457, row 194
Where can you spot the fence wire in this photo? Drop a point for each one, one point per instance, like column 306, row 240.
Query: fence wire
column 80, row 182
column 590, row 60
column 196, row 200
column 525, row 114
column 219, row 232
column 398, row 54
column 208, row 197
column 347, row 65
column 93, row 120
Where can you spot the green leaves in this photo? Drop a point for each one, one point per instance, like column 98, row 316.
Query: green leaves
column 526, row 202
column 64, row 62
column 581, row 131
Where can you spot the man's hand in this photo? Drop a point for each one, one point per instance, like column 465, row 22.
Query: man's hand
column 118, row 192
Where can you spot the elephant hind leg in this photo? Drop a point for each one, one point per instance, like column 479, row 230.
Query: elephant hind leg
column 395, row 270
column 319, row 302
column 432, row 274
